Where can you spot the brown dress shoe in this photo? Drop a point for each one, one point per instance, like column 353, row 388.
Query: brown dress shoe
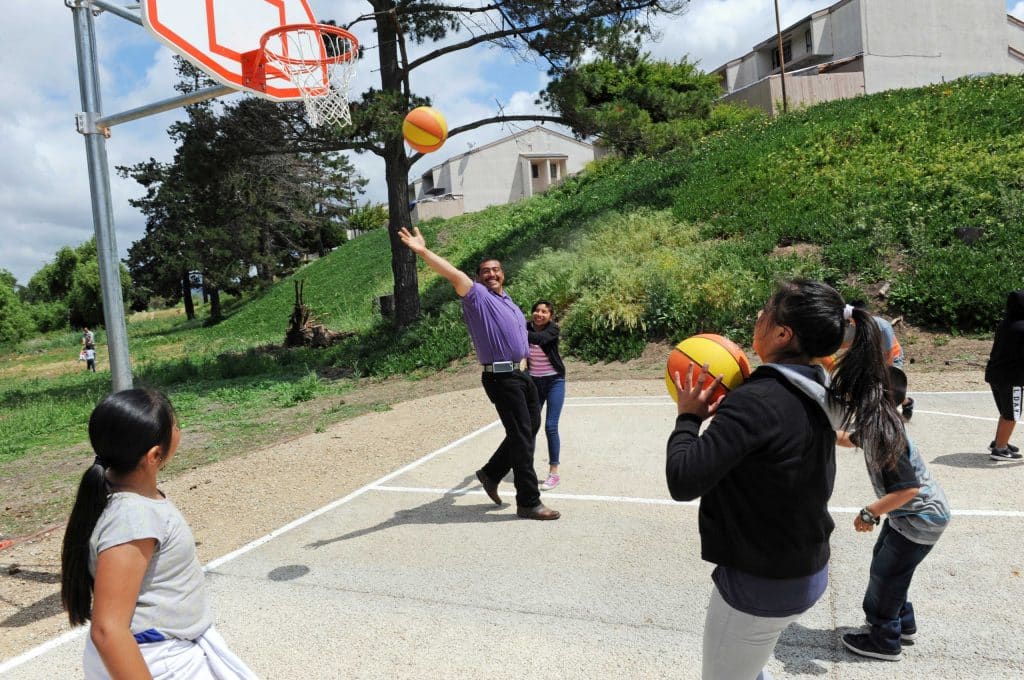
column 490, row 487
column 539, row 511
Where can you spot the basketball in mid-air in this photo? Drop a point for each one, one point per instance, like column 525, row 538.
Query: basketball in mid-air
column 722, row 355
column 424, row 129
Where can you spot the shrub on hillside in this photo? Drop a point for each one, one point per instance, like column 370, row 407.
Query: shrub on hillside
column 888, row 184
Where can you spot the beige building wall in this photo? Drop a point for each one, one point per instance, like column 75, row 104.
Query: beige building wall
column 801, row 91
column 896, row 43
column 501, row 172
column 444, row 208
column 911, row 43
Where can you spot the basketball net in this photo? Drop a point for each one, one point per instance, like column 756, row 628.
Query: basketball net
column 319, row 60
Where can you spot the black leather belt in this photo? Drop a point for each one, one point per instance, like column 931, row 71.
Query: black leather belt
column 505, row 366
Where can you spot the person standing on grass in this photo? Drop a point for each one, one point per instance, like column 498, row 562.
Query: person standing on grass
column 765, row 466
column 497, row 328
column 917, row 513
column 90, row 360
column 128, row 561
column 1005, row 375
column 548, row 372
column 88, row 339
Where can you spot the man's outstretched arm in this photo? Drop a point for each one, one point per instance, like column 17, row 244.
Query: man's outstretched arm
column 417, row 244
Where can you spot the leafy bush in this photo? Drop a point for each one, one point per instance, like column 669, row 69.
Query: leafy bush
column 49, row 316
column 892, row 185
column 15, row 321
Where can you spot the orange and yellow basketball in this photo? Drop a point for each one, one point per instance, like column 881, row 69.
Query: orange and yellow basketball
column 722, row 355
column 425, row 129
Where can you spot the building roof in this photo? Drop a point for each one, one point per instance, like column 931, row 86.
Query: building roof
column 773, row 40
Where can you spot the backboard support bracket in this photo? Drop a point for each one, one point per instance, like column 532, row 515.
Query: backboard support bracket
column 254, row 69
column 85, row 123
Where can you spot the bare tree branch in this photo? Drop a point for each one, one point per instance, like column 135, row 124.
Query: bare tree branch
column 521, row 32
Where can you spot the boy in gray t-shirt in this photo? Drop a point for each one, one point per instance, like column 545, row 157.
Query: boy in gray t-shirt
column 917, row 513
column 172, row 601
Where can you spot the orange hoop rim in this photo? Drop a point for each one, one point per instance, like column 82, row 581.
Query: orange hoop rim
column 347, row 55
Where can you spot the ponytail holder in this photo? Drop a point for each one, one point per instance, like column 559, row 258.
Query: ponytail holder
column 99, row 461
column 847, row 312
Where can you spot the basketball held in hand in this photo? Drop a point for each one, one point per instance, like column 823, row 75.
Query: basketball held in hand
column 722, row 355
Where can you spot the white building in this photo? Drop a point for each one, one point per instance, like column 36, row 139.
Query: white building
column 504, row 171
column 865, row 46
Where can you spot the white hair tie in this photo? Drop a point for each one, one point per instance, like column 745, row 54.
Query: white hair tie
column 848, row 312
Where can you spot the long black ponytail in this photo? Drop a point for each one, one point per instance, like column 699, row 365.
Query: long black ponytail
column 122, row 428
column 819, row 318
column 862, row 387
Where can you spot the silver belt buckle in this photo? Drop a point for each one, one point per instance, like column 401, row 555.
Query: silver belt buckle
column 502, row 367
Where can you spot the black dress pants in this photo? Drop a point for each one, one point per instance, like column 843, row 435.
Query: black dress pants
column 515, row 399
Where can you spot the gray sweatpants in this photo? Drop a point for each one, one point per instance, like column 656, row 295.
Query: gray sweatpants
column 738, row 645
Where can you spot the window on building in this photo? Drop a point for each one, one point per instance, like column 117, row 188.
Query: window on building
column 554, row 171
column 534, row 170
column 787, row 53
column 808, row 44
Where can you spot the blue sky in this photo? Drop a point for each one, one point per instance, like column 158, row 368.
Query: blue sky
column 44, row 192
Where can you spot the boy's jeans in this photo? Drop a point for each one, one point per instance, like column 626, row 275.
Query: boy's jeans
column 885, row 602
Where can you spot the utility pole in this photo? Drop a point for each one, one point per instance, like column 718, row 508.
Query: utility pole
column 782, row 59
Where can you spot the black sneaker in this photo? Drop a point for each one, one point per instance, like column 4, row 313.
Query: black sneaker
column 860, row 643
column 1004, row 454
column 1010, row 446
column 908, row 634
column 908, row 409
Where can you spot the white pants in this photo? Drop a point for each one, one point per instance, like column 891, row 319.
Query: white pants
column 738, row 645
column 205, row 658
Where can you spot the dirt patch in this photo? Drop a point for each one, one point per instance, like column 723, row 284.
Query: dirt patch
column 324, row 466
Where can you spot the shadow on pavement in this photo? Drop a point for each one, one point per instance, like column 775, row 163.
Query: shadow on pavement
column 440, row 511
column 974, row 461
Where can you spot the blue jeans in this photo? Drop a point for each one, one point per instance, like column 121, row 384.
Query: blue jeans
column 551, row 389
column 885, row 603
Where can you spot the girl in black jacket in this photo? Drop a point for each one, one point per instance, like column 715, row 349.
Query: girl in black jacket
column 765, row 467
column 548, row 373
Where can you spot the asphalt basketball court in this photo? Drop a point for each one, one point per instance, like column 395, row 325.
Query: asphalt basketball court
column 418, row 575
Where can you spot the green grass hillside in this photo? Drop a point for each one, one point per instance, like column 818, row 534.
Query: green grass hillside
column 922, row 189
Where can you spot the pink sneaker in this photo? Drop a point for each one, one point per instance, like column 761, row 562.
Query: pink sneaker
column 550, row 483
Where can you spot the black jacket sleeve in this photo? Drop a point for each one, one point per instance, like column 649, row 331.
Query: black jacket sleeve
column 544, row 337
column 696, row 463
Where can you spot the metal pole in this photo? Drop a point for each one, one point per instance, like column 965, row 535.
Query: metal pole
column 164, row 105
column 99, row 188
column 782, row 59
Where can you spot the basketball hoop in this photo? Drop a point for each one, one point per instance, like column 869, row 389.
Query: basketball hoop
column 317, row 59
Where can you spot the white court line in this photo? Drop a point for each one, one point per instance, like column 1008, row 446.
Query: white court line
column 13, row 663
column 956, row 415
column 341, row 501
column 653, row 397
column 652, row 501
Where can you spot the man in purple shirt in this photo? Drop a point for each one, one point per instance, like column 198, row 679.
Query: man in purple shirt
column 497, row 328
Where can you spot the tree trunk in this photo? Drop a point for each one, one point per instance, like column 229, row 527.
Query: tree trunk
column 215, row 312
column 396, row 173
column 403, row 260
column 186, row 296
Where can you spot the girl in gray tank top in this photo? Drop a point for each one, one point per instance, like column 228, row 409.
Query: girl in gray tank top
column 128, row 549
